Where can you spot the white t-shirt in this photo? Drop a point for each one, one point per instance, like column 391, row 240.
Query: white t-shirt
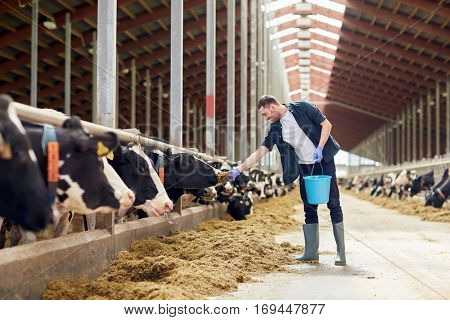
column 294, row 135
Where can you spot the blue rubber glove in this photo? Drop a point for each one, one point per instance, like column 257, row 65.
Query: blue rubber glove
column 232, row 174
column 318, row 154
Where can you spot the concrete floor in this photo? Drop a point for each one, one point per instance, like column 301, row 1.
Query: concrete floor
column 389, row 256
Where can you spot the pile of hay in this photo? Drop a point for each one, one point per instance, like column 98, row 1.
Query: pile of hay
column 208, row 261
column 407, row 206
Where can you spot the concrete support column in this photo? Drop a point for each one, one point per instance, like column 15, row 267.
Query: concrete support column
column 438, row 118
column 243, row 126
column 429, row 124
column 67, row 64
column 253, row 115
column 210, row 76
column 148, row 91
column 133, row 94
column 106, row 62
column 176, row 73
column 421, row 133
column 414, row 132
column 160, row 108
column 34, row 52
column 94, row 79
column 231, row 20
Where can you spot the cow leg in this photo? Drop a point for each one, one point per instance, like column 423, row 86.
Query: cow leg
column 26, row 236
column 14, row 235
column 63, row 224
column 2, row 233
column 89, row 222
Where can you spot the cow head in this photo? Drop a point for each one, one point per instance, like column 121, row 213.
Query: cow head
column 416, row 186
column 83, row 186
column 23, row 195
column 441, row 194
column 136, row 170
column 184, row 170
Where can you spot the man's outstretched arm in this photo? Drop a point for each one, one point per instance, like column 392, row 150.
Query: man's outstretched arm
column 254, row 158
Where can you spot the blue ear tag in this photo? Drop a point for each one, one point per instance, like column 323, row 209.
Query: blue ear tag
column 49, row 135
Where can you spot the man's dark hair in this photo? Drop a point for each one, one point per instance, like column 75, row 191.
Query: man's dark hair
column 265, row 100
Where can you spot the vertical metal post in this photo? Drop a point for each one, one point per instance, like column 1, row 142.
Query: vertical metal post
column 253, row 29
column 244, row 55
column 201, row 131
column 421, row 111
column 67, row 63
column 34, row 52
column 94, row 79
column 438, row 118
column 116, row 122
column 160, row 108
column 408, row 135
column 210, row 75
column 397, row 139
column 403, row 137
column 106, row 62
column 428, row 124
column 447, row 108
column 260, row 89
column 176, row 73
column 148, row 91
column 188, row 123
column 414, row 132
column 133, row 94
column 231, row 17
column 195, row 126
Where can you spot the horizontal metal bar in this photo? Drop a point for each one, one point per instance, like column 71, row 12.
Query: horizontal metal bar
column 430, row 163
column 56, row 118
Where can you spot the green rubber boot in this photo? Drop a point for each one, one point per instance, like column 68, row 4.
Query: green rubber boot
column 338, row 230
column 311, row 251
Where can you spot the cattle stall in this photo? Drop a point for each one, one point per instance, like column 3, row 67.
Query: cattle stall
column 89, row 253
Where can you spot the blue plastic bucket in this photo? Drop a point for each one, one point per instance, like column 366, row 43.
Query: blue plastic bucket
column 317, row 188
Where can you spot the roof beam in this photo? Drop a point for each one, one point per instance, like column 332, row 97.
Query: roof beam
column 390, row 34
column 398, row 18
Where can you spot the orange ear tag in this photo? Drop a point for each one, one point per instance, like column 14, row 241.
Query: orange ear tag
column 161, row 174
column 53, row 162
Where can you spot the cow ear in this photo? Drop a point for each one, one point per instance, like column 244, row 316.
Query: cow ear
column 73, row 122
column 106, row 143
column 5, row 100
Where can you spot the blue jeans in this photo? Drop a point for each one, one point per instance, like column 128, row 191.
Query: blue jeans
column 333, row 204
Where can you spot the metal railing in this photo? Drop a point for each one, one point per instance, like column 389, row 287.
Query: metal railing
column 438, row 163
column 56, row 118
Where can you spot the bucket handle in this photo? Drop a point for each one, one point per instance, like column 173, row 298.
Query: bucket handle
column 312, row 170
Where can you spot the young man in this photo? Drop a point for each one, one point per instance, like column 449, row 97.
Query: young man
column 302, row 135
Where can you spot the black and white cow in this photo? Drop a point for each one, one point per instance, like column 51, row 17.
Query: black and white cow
column 441, row 194
column 420, row 183
column 137, row 171
column 183, row 172
column 82, row 186
column 429, row 194
column 240, row 205
column 24, row 198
